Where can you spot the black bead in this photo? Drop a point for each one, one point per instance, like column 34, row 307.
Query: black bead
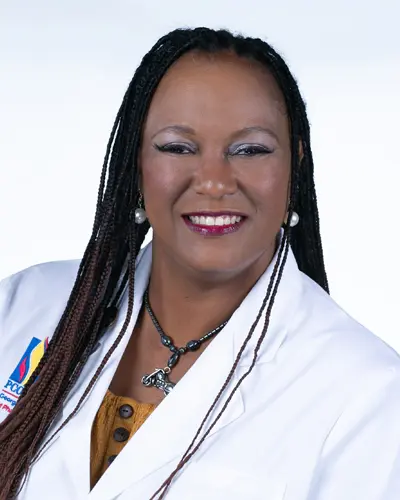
column 172, row 348
column 182, row 350
column 174, row 359
column 193, row 345
column 165, row 340
column 111, row 459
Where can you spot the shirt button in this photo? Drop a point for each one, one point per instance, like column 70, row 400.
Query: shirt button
column 126, row 411
column 121, row 435
column 111, row 459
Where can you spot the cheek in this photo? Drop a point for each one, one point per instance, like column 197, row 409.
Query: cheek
column 268, row 189
column 163, row 182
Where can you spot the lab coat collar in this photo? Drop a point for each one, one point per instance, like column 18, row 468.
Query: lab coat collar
column 285, row 306
column 166, row 434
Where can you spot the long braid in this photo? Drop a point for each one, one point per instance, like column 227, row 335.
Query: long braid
column 108, row 264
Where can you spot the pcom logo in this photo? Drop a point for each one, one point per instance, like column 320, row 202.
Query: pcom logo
column 20, row 376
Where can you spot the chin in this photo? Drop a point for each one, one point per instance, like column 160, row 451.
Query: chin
column 215, row 266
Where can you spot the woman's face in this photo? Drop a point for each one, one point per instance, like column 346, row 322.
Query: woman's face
column 215, row 163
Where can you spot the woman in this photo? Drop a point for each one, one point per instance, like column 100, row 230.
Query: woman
column 212, row 363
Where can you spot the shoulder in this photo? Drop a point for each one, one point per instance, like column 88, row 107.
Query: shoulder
column 31, row 304
column 43, row 273
column 36, row 288
column 343, row 345
column 46, row 278
column 348, row 373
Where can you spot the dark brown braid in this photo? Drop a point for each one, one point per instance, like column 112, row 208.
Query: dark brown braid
column 108, row 264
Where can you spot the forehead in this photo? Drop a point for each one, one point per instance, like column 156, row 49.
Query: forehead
column 220, row 89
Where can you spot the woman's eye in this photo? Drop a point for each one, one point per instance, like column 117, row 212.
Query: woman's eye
column 175, row 148
column 251, row 150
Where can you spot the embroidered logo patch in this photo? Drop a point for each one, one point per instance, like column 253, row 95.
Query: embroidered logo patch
column 20, row 376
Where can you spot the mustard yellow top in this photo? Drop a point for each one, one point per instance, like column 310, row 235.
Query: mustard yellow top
column 116, row 422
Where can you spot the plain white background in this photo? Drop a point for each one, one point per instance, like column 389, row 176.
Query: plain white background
column 64, row 68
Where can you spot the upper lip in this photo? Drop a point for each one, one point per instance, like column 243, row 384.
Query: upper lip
column 214, row 214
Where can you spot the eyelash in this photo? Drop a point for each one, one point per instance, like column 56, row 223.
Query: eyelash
column 182, row 149
column 251, row 150
column 174, row 148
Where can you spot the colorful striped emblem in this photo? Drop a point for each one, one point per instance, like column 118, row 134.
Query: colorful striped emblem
column 29, row 361
column 22, row 373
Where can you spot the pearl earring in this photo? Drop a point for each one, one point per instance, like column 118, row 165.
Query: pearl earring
column 294, row 220
column 140, row 212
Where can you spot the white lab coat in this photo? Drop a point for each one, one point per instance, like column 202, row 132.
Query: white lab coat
column 318, row 418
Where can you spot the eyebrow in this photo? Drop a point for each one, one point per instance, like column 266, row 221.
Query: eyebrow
column 183, row 129
column 256, row 128
column 246, row 130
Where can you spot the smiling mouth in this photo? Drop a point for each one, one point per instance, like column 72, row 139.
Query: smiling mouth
column 214, row 225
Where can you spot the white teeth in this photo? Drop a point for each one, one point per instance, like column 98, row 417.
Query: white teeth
column 208, row 220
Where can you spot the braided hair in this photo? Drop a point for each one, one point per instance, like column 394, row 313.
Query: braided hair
column 108, row 263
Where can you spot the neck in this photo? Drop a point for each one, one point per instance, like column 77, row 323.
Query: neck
column 188, row 304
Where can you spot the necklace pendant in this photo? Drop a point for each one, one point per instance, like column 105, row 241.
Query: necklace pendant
column 159, row 379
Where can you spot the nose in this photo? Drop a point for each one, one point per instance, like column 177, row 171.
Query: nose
column 215, row 178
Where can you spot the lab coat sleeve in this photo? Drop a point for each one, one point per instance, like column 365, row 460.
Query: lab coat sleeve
column 361, row 456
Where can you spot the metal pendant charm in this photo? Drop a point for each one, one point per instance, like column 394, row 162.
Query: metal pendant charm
column 159, row 379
